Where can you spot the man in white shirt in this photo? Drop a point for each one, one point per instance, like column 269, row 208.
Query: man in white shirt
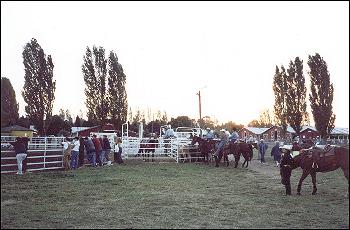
column 67, row 148
column 75, row 153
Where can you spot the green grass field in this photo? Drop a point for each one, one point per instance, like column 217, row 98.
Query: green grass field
column 170, row 195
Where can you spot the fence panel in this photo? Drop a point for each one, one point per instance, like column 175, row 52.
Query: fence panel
column 44, row 153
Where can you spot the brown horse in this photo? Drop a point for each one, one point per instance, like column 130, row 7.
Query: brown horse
column 316, row 160
column 206, row 147
column 238, row 149
column 148, row 146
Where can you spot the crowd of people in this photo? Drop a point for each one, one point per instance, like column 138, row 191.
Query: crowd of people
column 96, row 149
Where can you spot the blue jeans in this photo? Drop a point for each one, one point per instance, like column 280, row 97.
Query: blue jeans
column 92, row 158
column 262, row 157
column 74, row 160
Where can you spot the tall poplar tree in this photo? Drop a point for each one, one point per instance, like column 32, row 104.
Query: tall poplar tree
column 95, row 70
column 9, row 105
column 296, row 95
column 117, row 97
column 39, row 86
column 321, row 96
column 280, row 106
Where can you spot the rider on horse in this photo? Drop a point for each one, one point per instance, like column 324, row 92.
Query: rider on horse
column 234, row 136
column 222, row 143
column 210, row 134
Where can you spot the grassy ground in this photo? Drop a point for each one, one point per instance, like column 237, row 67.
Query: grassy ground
column 170, row 195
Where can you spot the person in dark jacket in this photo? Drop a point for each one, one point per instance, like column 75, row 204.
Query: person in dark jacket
column 106, row 148
column 118, row 152
column 21, row 152
column 276, row 153
column 286, row 170
column 262, row 149
column 90, row 151
column 98, row 148
column 81, row 152
column 25, row 161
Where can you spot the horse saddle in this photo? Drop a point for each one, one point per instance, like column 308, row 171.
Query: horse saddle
column 317, row 154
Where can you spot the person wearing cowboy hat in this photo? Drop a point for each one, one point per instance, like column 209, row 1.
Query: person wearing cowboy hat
column 286, row 169
column 210, row 134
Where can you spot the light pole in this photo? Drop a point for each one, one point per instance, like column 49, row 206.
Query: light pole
column 200, row 106
column 200, row 109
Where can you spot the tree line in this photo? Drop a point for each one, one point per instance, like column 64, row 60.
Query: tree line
column 106, row 97
column 290, row 95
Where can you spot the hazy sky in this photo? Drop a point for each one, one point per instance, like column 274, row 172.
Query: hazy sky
column 170, row 50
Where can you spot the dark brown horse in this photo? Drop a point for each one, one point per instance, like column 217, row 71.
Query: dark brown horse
column 206, row 147
column 147, row 147
column 316, row 160
column 238, row 149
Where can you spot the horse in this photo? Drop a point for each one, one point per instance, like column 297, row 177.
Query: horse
column 147, row 147
column 238, row 149
column 206, row 146
column 315, row 160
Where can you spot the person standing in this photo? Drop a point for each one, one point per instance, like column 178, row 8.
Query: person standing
column 21, row 153
column 118, row 152
column 106, row 148
column 81, row 152
column 75, row 153
column 286, row 170
column 98, row 148
column 90, row 151
column 67, row 153
column 25, row 140
column 262, row 150
column 276, row 153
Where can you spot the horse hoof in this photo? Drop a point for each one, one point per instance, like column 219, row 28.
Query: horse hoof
column 298, row 193
column 314, row 193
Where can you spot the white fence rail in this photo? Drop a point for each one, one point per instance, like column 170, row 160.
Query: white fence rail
column 178, row 149
column 44, row 153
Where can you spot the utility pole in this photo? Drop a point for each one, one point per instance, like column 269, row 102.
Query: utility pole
column 200, row 111
column 200, row 108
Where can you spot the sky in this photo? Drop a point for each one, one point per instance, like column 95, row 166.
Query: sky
column 171, row 50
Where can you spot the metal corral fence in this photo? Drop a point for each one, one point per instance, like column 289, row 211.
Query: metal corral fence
column 44, row 153
column 177, row 149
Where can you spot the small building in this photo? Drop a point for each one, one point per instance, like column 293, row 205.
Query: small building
column 255, row 132
column 16, row 130
column 340, row 135
column 306, row 132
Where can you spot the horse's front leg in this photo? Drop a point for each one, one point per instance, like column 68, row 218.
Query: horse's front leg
column 236, row 160
column 226, row 159
column 302, row 178
column 313, row 176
